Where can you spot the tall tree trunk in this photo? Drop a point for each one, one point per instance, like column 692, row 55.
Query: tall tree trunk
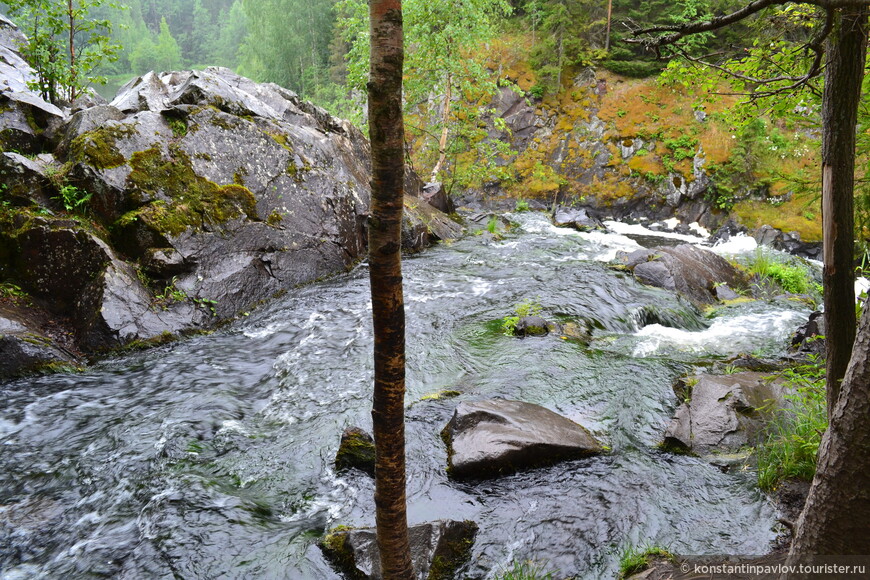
column 386, row 133
column 609, row 17
column 836, row 517
column 445, row 117
column 73, row 93
column 844, row 73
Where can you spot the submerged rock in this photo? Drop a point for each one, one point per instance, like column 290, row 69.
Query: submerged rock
column 499, row 436
column 722, row 413
column 438, row 550
column 694, row 272
column 356, row 450
column 532, row 326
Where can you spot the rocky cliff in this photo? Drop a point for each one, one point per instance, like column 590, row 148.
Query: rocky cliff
column 187, row 200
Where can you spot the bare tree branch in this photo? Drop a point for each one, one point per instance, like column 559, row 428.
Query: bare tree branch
column 678, row 31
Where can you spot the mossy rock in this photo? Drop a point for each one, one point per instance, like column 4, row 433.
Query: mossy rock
column 356, row 450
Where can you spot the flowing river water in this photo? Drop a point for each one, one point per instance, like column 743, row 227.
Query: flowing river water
column 211, row 458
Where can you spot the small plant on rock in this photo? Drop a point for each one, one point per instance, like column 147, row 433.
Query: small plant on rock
column 73, row 198
column 525, row 308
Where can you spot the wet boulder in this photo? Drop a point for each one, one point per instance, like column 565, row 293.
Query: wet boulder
column 24, row 348
column 722, row 413
column 356, row 450
column 693, row 272
column 423, row 224
column 438, row 550
column 499, row 436
column 532, row 326
column 577, row 218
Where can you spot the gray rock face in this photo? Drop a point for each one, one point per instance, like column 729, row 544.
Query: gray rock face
column 422, row 224
column 496, row 437
column 203, row 182
column 723, row 413
column 687, row 269
column 438, row 550
column 26, row 180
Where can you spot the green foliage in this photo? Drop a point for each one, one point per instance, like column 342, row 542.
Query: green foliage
column 526, row 570
column 634, row 560
column 66, row 44
column 523, row 309
column 444, row 40
column 522, row 205
column 794, row 435
column 492, row 225
column 10, row 290
column 73, row 198
column 793, row 278
column 170, row 294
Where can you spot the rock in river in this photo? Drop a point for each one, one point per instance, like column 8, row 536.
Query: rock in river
column 723, row 413
column 499, row 436
column 438, row 550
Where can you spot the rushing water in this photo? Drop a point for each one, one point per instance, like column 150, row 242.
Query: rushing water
column 211, row 458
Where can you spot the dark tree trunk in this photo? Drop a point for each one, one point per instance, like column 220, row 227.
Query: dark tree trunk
column 386, row 133
column 836, row 517
column 844, row 72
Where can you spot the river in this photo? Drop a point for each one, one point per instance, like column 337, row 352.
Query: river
column 211, row 458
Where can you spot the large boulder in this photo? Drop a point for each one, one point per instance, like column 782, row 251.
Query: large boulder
column 438, row 550
column 24, row 347
column 722, row 413
column 575, row 217
column 254, row 190
column 499, row 436
column 694, row 272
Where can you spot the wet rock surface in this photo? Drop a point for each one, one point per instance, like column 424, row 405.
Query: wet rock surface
column 693, row 272
column 356, row 450
column 577, row 218
column 438, row 550
column 722, row 413
column 499, row 436
column 200, row 185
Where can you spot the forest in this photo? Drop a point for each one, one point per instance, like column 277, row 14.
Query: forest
column 641, row 333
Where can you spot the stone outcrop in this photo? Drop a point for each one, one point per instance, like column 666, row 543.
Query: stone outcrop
column 188, row 199
column 438, row 550
column 722, row 413
column 696, row 273
column 788, row 242
column 498, row 436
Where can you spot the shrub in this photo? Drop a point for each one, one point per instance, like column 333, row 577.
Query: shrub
column 794, row 435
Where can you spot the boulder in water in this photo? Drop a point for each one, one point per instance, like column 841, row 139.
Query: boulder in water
column 577, row 218
column 722, row 413
column 694, row 272
column 438, row 550
column 356, row 450
column 499, row 436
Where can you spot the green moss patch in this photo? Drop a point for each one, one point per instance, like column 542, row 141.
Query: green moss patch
column 98, row 148
column 193, row 200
